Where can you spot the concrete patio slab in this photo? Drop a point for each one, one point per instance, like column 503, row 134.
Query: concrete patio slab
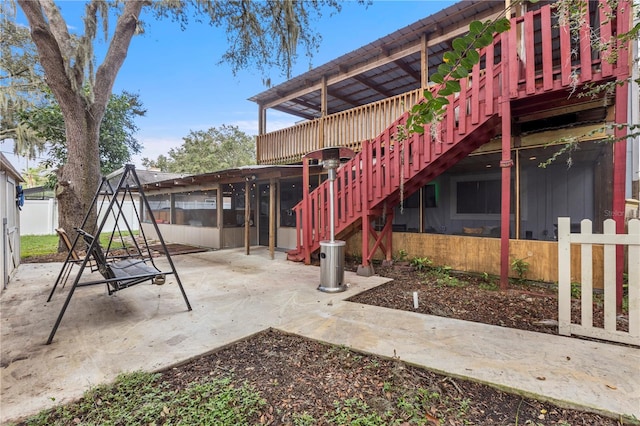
column 233, row 296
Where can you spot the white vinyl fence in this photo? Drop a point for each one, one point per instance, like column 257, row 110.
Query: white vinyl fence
column 40, row 217
column 609, row 239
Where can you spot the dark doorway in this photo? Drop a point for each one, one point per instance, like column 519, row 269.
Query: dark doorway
column 263, row 215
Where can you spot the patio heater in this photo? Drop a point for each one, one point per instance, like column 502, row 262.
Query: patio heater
column 332, row 251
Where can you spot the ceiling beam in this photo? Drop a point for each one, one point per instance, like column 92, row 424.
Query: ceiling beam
column 335, row 95
column 372, row 86
column 304, row 115
column 406, row 68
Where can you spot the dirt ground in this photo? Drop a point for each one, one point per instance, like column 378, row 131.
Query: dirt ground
column 303, row 379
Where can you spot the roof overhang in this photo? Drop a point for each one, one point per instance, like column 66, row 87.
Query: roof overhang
column 384, row 68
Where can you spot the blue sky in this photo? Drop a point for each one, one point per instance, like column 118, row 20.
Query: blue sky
column 182, row 86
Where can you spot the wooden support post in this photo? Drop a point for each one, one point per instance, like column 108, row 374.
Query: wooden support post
column 262, row 120
column 306, row 212
column 424, row 62
column 272, row 217
column 262, row 129
column 506, row 163
column 247, row 216
column 518, row 211
column 323, row 113
column 620, row 147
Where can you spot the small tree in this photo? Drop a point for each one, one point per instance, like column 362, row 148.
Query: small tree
column 116, row 138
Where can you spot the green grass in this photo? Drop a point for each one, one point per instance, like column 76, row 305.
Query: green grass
column 42, row 245
column 38, row 245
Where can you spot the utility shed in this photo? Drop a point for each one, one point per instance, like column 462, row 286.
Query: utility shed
column 9, row 212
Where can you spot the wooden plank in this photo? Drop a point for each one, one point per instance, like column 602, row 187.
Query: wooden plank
column 462, row 110
column 417, row 152
column 359, row 182
column 530, row 55
column 272, row 217
column 547, row 57
column 605, row 38
column 306, row 212
column 564, row 276
column 610, row 278
column 599, row 333
column 585, row 48
column 366, row 163
column 489, row 76
column 377, row 168
column 634, row 281
column 512, row 54
column 475, row 94
column 565, row 54
column 624, row 239
column 586, row 288
column 247, row 216
column 623, row 20
column 437, row 140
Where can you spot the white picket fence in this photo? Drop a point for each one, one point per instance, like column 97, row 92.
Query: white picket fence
column 40, row 217
column 609, row 239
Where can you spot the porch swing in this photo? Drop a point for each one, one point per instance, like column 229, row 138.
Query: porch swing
column 120, row 266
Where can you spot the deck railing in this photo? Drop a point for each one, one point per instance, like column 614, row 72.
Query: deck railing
column 347, row 129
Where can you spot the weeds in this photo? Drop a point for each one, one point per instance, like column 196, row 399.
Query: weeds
column 576, row 290
column 520, row 267
column 142, row 398
column 421, row 263
column 354, row 411
column 401, row 256
column 491, row 286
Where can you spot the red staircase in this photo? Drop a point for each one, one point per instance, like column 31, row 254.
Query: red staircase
column 546, row 63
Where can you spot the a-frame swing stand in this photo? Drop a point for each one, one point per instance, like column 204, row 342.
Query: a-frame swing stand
column 118, row 271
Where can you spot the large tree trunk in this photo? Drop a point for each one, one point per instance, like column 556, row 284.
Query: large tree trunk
column 65, row 68
column 80, row 176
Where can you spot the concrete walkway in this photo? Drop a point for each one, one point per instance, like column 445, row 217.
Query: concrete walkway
column 233, row 296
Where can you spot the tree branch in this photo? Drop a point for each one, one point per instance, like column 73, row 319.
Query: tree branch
column 49, row 50
column 57, row 25
column 124, row 31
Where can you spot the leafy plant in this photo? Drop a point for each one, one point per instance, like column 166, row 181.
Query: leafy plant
column 421, row 263
column 576, row 290
column 625, row 303
column 489, row 286
column 354, row 411
column 520, row 267
column 304, row 419
column 401, row 256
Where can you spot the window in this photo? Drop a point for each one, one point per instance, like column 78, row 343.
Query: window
column 160, row 207
column 290, row 195
column 197, row 208
column 233, row 205
column 478, row 197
